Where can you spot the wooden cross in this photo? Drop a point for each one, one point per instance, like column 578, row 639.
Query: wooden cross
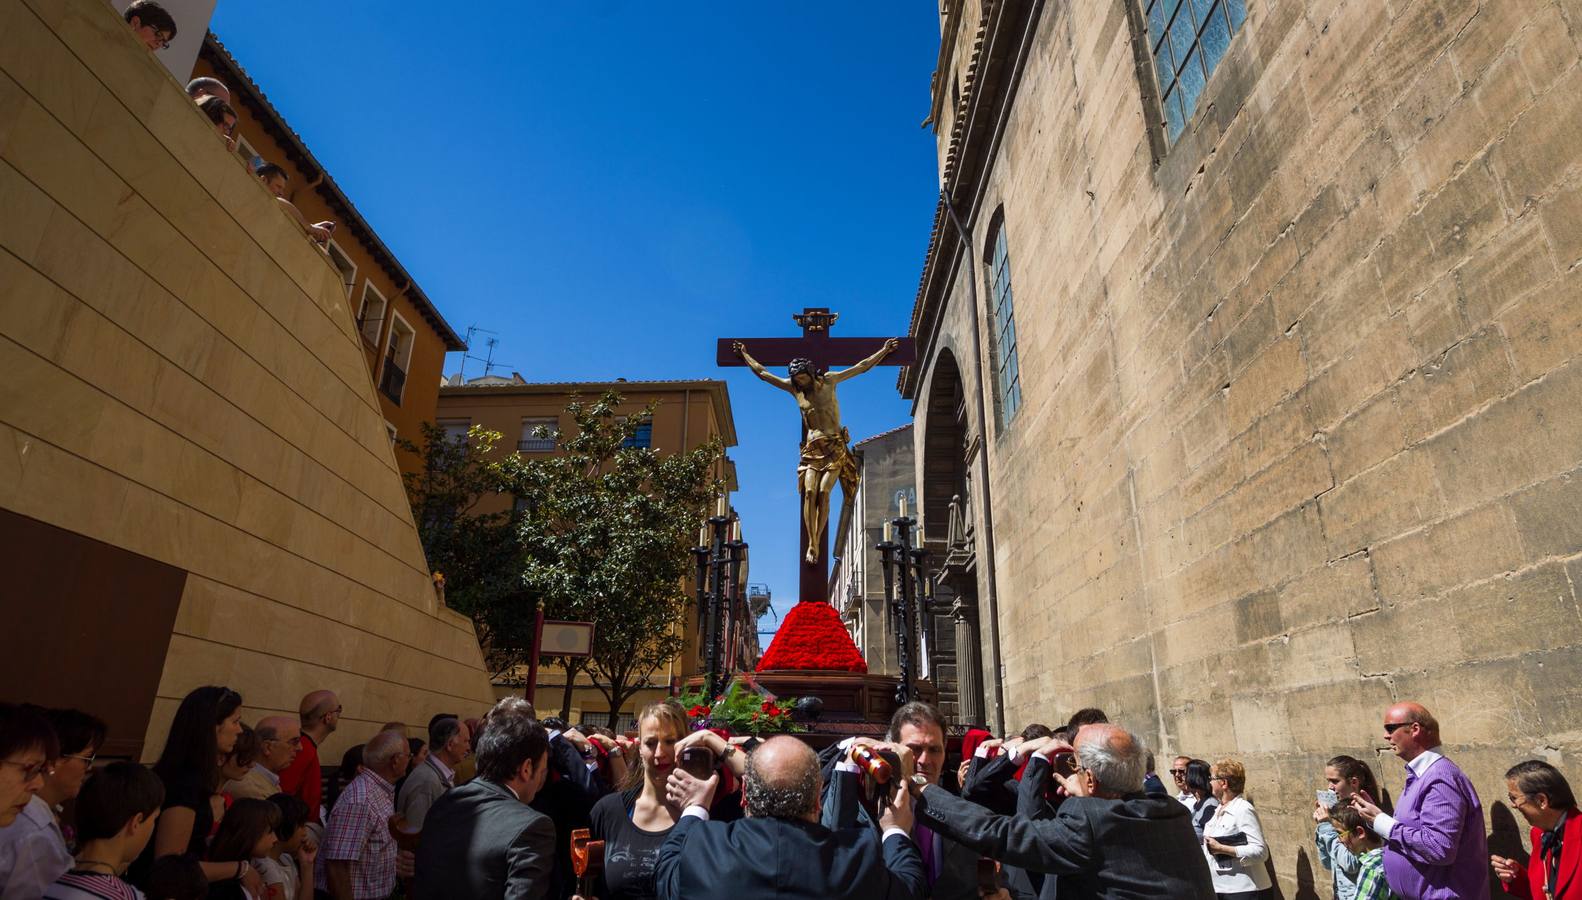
column 825, row 351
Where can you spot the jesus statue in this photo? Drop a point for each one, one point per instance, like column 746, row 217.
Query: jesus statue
column 826, row 451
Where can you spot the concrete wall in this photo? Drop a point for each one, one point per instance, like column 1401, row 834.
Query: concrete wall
column 1301, row 432
column 183, row 380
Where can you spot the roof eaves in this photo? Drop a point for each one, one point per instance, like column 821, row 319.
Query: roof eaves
column 245, row 85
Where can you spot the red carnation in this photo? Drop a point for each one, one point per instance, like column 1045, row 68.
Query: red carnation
column 812, row 637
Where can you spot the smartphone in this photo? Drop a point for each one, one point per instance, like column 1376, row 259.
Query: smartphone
column 988, row 877
column 1327, row 799
column 697, row 761
column 1065, row 763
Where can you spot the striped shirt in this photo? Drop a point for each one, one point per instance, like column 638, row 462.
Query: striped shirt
column 1371, row 884
column 78, row 885
column 359, row 831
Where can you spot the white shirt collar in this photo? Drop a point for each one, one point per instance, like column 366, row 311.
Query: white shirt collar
column 1422, row 761
column 446, row 772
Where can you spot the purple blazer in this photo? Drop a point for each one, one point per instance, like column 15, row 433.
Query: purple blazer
column 1437, row 849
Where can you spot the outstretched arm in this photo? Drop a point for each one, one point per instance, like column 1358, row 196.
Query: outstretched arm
column 783, row 384
column 865, row 365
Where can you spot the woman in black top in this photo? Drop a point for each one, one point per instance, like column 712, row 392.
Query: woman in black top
column 1197, row 778
column 634, row 822
column 204, row 729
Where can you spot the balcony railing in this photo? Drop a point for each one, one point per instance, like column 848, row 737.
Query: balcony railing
column 537, row 445
column 393, row 381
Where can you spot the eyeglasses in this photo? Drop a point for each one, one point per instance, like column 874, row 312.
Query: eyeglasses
column 1393, row 727
column 1516, row 800
column 1217, row 778
column 295, row 742
column 1178, row 771
column 29, row 772
column 87, row 760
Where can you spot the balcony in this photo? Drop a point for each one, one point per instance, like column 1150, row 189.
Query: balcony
column 392, row 382
column 537, row 445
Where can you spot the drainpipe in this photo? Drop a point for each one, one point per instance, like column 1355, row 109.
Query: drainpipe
column 983, row 465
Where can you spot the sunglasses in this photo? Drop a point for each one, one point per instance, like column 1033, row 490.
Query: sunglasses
column 1178, row 771
column 1393, row 727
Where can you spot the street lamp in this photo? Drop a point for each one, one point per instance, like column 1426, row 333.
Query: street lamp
column 904, row 567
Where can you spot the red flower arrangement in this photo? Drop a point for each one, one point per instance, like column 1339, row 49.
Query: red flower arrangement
column 812, row 637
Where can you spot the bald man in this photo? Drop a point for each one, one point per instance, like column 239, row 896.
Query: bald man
column 780, row 849
column 1434, row 845
column 358, row 855
column 319, row 714
column 279, row 739
column 1106, row 838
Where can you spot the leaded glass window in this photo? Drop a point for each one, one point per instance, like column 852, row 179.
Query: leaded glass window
column 1187, row 39
column 1007, row 376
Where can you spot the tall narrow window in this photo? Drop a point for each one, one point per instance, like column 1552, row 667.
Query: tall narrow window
column 1187, row 39
column 343, row 264
column 398, row 357
column 371, row 317
column 1007, row 376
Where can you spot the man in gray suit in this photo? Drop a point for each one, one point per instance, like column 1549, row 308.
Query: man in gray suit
column 1106, row 840
column 482, row 840
column 449, row 743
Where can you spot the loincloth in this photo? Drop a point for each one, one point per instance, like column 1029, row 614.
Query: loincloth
column 829, row 453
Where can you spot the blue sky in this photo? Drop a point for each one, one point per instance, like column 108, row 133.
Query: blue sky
column 612, row 185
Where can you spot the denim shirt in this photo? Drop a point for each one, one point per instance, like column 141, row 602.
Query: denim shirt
column 1335, row 857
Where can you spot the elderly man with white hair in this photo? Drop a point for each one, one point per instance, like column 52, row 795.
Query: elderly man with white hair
column 1106, row 838
column 359, row 855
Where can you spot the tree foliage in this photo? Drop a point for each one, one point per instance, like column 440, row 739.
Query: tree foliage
column 602, row 532
column 606, row 534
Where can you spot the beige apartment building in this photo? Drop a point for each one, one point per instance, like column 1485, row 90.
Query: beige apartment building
column 531, row 415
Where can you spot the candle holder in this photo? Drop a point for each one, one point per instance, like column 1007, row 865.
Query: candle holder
column 904, row 568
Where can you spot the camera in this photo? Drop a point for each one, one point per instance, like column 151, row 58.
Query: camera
column 697, row 761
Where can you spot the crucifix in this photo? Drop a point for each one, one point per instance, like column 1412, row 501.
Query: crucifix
column 826, row 453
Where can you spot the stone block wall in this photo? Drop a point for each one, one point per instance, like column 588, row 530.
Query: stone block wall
column 1301, row 432
column 183, row 379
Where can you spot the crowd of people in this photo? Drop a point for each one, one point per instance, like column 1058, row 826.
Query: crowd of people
column 156, row 28
column 487, row 808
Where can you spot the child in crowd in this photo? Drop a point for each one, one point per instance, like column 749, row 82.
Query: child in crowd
column 116, row 812
column 246, row 833
column 1355, row 835
column 290, row 863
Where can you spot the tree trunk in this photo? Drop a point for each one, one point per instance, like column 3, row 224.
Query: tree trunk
column 617, row 697
column 571, row 682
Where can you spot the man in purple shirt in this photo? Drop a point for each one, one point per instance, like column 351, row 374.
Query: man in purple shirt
column 1434, row 845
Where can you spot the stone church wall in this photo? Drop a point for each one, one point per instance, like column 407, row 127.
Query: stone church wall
column 1301, row 432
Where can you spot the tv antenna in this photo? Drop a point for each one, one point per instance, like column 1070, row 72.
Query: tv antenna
column 489, row 365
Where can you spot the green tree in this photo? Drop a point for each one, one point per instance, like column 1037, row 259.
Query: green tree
column 606, row 532
column 479, row 554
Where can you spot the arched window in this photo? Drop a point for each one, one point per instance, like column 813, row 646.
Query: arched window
column 1002, row 319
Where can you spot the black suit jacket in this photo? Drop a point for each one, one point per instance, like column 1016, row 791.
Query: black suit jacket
column 991, row 783
column 479, row 841
column 958, row 867
column 784, row 858
column 1132, row 848
column 567, row 799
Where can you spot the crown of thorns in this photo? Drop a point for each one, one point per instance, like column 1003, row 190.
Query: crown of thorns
column 802, row 365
